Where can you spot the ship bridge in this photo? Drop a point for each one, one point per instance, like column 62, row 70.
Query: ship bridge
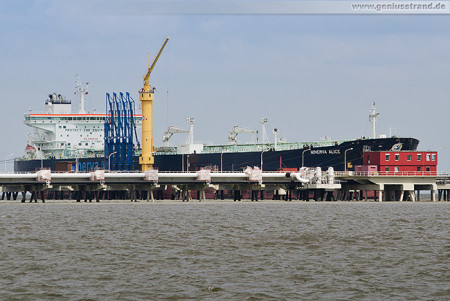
column 59, row 133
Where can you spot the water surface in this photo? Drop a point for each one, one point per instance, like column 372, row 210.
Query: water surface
column 238, row 251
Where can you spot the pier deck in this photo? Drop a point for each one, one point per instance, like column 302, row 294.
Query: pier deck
column 342, row 186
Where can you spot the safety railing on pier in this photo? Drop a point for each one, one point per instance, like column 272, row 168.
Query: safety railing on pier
column 391, row 173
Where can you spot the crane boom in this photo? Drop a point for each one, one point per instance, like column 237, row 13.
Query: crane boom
column 172, row 130
column 237, row 130
column 150, row 69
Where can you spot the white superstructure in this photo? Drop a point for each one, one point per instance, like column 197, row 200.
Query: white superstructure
column 59, row 133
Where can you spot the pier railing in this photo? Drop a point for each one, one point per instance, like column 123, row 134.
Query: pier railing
column 391, row 173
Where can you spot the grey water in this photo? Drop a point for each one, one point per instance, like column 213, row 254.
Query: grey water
column 225, row 251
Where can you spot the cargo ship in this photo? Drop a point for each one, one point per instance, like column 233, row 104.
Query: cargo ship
column 67, row 141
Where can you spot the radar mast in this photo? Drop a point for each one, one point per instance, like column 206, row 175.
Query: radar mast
column 81, row 92
column 373, row 114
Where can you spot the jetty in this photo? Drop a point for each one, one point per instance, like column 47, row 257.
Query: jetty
column 307, row 184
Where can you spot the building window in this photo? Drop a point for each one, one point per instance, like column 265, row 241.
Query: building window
column 418, row 168
column 387, row 157
column 433, row 157
column 428, row 168
column 428, row 157
column 408, row 157
column 386, row 168
column 396, row 168
column 397, row 157
column 419, row 157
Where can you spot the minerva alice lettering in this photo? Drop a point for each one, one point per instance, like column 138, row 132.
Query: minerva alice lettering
column 325, row 152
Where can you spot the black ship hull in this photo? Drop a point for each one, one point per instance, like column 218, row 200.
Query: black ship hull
column 350, row 152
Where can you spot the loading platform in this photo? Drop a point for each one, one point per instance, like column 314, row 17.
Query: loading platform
column 152, row 180
column 343, row 186
column 391, row 186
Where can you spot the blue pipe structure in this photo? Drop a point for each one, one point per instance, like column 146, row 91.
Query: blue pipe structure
column 120, row 131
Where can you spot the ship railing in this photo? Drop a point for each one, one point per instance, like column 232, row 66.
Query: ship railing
column 237, row 148
column 260, row 147
column 389, row 173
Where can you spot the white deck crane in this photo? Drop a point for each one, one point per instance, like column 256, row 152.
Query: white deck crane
column 174, row 130
column 238, row 130
column 169, row 133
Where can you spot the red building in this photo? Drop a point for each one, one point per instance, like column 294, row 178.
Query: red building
column 402, row 161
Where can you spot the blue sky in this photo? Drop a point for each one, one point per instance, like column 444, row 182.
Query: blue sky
column 311, row 75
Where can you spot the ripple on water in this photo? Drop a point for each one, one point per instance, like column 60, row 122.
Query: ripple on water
column 263, row 251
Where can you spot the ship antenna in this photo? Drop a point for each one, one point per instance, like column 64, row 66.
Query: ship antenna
column 81, row 92
column 373, row 119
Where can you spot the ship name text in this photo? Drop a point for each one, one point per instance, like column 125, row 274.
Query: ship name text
column 325, row 152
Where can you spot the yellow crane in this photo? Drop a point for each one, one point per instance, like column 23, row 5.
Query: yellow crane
column 146, row 96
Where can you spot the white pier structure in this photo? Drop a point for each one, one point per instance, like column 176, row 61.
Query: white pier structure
column 99, row 180
column 328, row 185
column 388, row 186
column 443, row 186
